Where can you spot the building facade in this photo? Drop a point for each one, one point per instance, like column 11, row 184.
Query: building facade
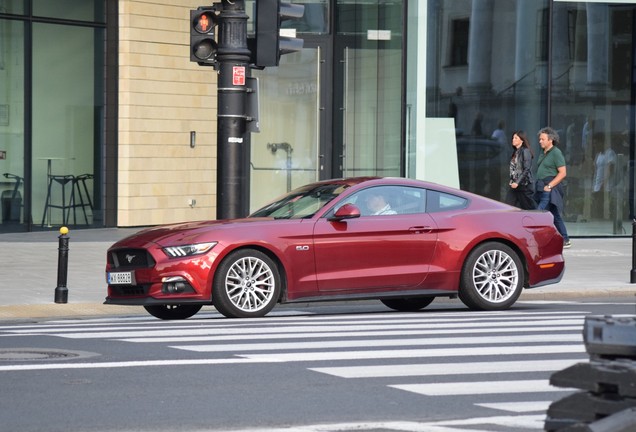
column 104, row 121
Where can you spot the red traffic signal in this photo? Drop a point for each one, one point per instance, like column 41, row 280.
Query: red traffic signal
column 203, row 46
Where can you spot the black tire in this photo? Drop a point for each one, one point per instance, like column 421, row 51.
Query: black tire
column 247, row 284
column 173, row 312
column 492, row 277
column 408, row 304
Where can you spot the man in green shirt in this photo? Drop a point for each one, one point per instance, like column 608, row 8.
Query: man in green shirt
column 550, row 173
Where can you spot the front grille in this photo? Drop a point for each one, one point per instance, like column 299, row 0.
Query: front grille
column 130, row 258
column 129, row 290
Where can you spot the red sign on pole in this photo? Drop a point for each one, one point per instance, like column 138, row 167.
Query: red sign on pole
column 238, row 75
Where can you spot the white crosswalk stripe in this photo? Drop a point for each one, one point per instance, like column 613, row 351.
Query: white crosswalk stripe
column 365, row 346
column 440, row 369
column 416, row 353
column 479, row 387
column 351, row 343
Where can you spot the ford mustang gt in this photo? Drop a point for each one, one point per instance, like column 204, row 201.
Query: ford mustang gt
column 400, row 241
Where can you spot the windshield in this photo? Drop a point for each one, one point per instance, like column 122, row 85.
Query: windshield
column 300, row 203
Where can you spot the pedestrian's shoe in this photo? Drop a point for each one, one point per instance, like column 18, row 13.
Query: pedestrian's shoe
column 567, row 244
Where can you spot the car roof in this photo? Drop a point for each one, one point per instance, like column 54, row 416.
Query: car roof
column 376, row 181
column 357, row 183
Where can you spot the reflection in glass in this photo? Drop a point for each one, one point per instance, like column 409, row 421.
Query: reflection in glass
column 65, row 111
column 79, row 10
column 284, row 155
column 532, row 64
column 12, row 182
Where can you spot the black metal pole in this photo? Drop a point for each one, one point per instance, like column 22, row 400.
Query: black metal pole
column 233, row 56
column 61, row 291
column 632, row 278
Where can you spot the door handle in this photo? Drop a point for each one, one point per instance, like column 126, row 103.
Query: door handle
column 420, row 229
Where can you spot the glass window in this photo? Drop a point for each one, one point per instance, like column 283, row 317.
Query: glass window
column 302, row 202
column 12, row 7
column 374, row 201
column 315, row 19
column 592, row 109
column 79, row 10
column 369, row 86
column 284, row 155
column 12, row 185
column 563, row 64
column 542, row 35
column 439, row 201
column 65, row 119
column 459, row 37
column 389, row 200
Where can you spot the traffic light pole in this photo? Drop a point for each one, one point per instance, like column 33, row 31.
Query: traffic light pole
column 233, row 57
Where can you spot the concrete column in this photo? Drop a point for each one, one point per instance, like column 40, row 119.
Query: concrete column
column 560, row 48
column 597, row 43
column 480, row 44
column 525, row 35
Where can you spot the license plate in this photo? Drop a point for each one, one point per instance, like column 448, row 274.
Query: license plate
column 120, row 278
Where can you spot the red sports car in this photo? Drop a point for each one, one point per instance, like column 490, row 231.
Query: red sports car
column 401, row 241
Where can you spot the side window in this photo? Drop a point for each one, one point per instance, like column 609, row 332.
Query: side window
column 439, row 201
column 389, row 200
column 410, row 200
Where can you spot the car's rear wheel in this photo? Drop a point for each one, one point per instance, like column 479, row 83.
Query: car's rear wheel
column 247, row 284
column 492, row 277
column 408, row 304
column 173, row 312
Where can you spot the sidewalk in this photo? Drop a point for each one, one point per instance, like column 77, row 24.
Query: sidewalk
column 597, row 267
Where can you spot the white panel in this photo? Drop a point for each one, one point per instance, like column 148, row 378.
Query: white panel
column 436, row 158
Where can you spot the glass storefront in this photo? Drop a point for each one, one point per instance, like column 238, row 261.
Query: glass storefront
column 334, row 109
column 426, row 89
column 51, row 115
column 285, row 153
column 65, row 112
column 368, row 87
column 494, row 67
column 12, row 125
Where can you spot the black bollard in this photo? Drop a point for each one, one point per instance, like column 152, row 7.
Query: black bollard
column 632, row 278
column 61, row 291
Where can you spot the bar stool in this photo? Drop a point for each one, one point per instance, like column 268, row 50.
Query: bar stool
column 63, row 181
column 80, row 191
column 82, row 178
column 11, row 201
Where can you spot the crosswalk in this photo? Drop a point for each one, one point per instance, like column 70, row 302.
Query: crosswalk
column 508, row 354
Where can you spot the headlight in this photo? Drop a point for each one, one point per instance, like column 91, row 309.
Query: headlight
column 188, row 250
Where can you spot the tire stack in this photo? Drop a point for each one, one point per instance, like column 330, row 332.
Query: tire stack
column 607, row 400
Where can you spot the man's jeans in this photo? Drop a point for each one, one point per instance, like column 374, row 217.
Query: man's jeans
column 544, row 204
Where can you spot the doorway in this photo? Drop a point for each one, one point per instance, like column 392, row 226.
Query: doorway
column 368, row 89
column 334, row 109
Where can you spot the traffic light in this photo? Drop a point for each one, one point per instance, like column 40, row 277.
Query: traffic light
column 271, row 16
column 203, row 44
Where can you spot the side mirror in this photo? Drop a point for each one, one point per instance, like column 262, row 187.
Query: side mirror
column 347, row 211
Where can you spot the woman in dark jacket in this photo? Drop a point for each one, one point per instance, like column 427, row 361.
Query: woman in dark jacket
column 521, row 192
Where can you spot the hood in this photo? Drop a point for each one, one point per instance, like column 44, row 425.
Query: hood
column 183, row 233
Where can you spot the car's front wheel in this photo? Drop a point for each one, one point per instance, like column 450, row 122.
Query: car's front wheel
column 408, row 304
column 247, row 284
column 173, row 312
column 492, row 277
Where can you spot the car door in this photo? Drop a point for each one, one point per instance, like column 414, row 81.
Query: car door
column 376, row 252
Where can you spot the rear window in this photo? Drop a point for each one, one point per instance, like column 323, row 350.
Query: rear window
column 440, row 201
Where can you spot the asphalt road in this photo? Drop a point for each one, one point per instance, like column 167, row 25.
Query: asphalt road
column 331, row 367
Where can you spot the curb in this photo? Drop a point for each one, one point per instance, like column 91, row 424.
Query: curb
column 583, row 293
column 66, row 310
